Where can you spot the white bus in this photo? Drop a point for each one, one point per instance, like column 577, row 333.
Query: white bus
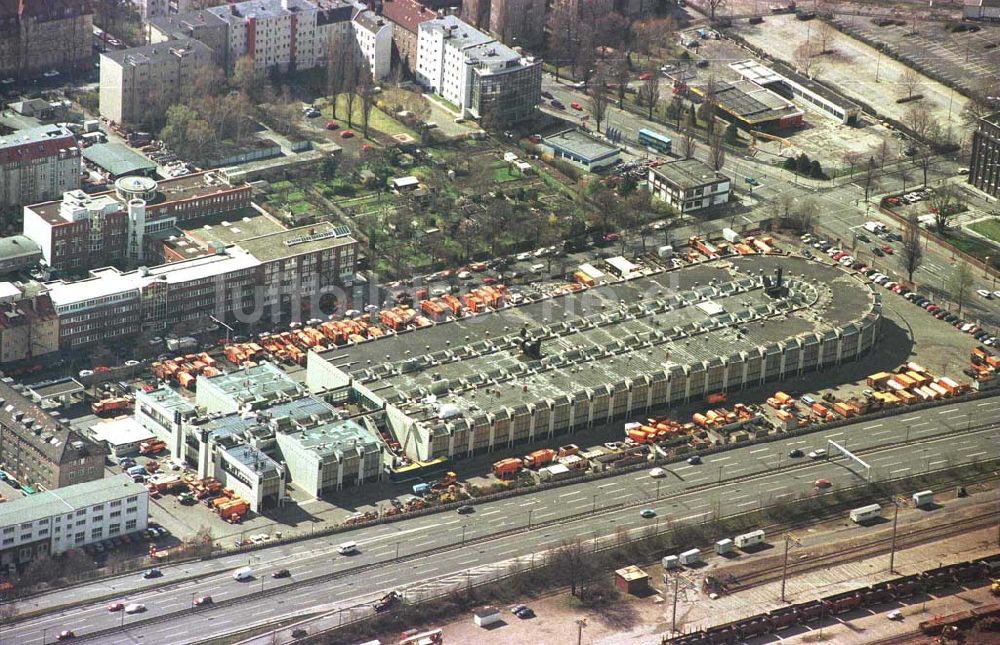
column 866, row 513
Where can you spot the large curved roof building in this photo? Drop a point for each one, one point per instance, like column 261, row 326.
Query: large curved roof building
column 558, row 364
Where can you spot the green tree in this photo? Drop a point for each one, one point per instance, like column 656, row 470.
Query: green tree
column 802, row 164
column 816, row 170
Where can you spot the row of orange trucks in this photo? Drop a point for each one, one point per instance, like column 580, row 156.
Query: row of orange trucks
column 112, row 406
column 186, row 369
column 476, row 301
column 189, row 489
column 291, row 347
column 911, row 383
column 568, row 455
column 748, row 246
column 984, row 365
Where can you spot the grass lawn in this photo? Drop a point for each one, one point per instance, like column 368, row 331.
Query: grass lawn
column 971, row 245
column 379, row 121
column 988, row 228
column 503, row 174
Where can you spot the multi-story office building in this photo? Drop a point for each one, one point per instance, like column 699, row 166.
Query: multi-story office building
column 53, row 522
column 689, row 185
column 29, row 326
column 37, row 164
column 139, row 84
column 83, row 231
column 373, row 34
column 41, row 452
column 36, row 37
column 113, row 304
column 984, row 170
column 481, row 76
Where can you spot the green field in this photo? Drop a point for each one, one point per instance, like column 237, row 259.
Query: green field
column 988, row 228
column 378, row 120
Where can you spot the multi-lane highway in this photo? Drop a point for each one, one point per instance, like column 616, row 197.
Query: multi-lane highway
column 733, row 481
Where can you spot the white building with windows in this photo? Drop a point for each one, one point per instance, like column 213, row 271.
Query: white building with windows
column 689, row 185
column 52, row 522
column 373, row 34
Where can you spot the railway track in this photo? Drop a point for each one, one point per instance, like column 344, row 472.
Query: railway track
column 870, row 548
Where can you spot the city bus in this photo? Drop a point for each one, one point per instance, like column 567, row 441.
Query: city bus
column 655, row 140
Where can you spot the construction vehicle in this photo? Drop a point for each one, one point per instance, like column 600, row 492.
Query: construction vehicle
column 111, row 405
column 387, row 602
column 151, row 447
column 507, row 468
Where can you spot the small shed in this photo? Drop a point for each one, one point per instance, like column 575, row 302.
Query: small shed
column 524, row 167
column 405, row 183
column 631, row 580
column 486, row 616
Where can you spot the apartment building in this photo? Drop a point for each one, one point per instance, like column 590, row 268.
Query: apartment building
column 406, row 17
column 53, row 522
column 37, row 37
column 149, row 9
column 139, row 84
column 984, row 169
column 29, row 327
column 373, row 35
column 689, row 185
column 484, row 78
column 283, row 35
column 201, row 24
column 37, row 164
column 39, row 451
column 83, row 231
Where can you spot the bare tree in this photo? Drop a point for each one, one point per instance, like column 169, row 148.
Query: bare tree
column 688, row 143
column 923, row 159
column 960, row 284
column 598, row 98
column 350, row 90
column 909, row 80
column 852, row 158
column 920, row 120
column 912, row 253
column 717, row 149
column 652, row 34
column 620, row 74
column 714, row 6
column 338, row 62
column 826, row 33
column 944, row 204
column 650, row 94
column 869, row 175
column 803, row 58
column 883, row 151
column 366, row 93
column 803, row 214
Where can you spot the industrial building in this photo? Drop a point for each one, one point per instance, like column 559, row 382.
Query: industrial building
column 582, row 149
column 53, row 522
column 751, row 106
column 794, row 85
column 39, row 451
column 984, row 169
column 558, row 364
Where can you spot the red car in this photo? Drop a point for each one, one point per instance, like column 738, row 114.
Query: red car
column 346, row 134
column 887, row 249
column 576, row 106
column 932, row 308
column 204, row 600
column 331, row 125
column 823, row 483
column 645, row 76
column 116, row 606
column 612, row 237
column 490, row 280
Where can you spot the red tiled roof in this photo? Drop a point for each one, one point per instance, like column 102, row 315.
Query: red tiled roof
column 408, row 14
column 35, row 149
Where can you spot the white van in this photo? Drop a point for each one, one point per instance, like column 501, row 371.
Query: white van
column 243, row 574
column 537, row 268
column 347, row 547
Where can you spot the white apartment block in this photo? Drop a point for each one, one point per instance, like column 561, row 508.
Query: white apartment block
column 689, row 185
column 373, row 34
column 52, row 522
column 38, row 164
column 151, row 8
column 283, row 35
column 475, row 72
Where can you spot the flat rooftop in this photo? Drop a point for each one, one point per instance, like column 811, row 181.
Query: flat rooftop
column 120, row 431
column 178, row 189
column 753, row 103
column 267, row 240
column 580, row 144
column 118, row 159
column 262, row 382
column 463, row 35
column 688, row 173
column 328, row 440
column 45, row 504
column 159, row 52
column 692, row 316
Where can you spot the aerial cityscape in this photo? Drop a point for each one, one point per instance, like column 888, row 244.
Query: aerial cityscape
column 413, row 322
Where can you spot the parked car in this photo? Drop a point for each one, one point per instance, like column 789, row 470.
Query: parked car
column 576, row 106
column 557, row 104
column 985, row 293
column 331, row 125
column 547, row 95
column 346, row 134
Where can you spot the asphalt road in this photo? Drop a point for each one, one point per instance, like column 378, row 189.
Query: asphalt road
column 549, row 512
